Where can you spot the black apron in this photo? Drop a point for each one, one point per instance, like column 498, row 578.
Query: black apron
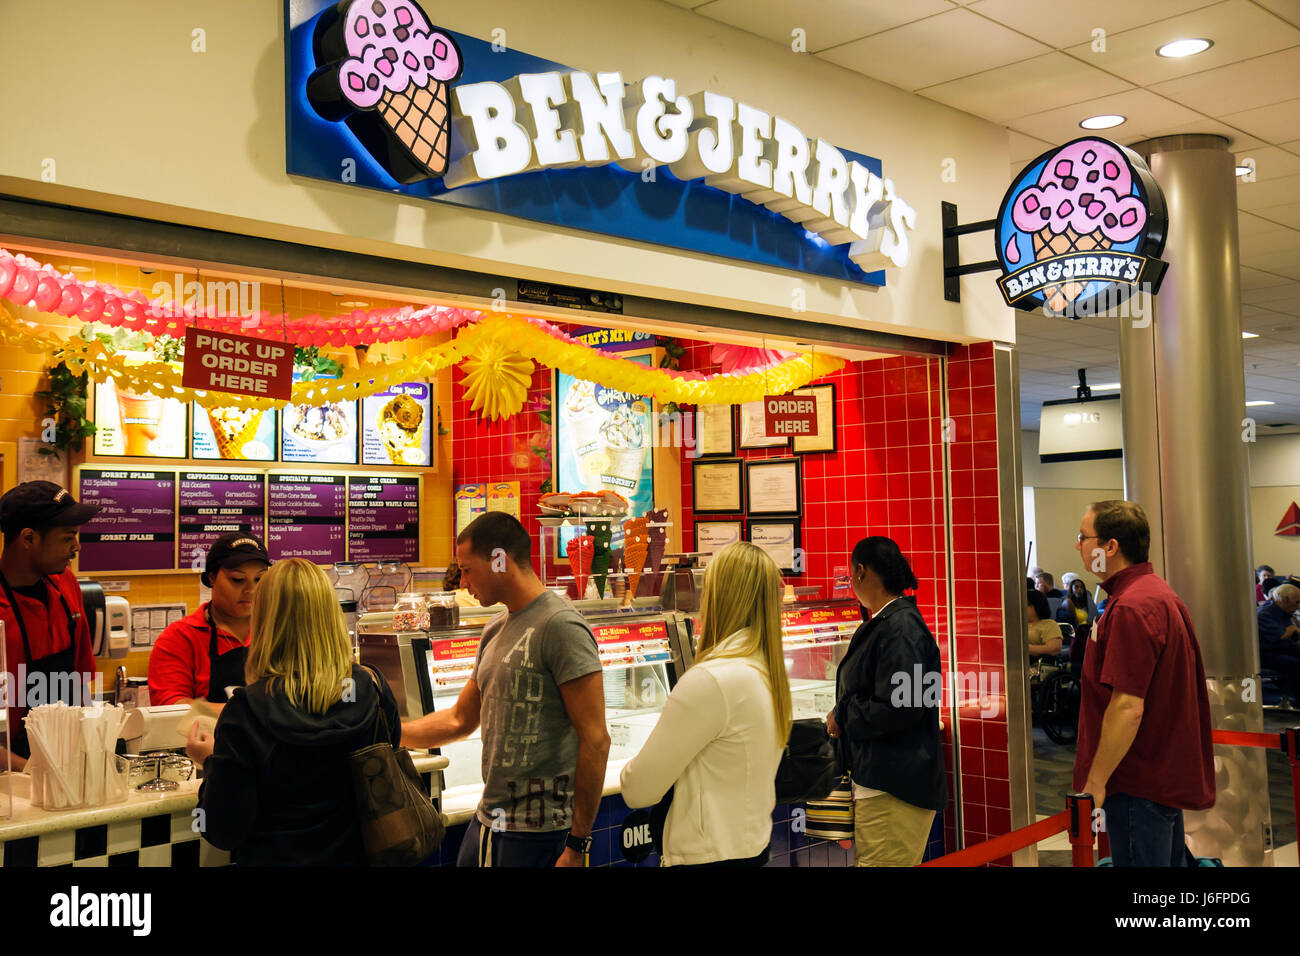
column 60, row 662
column 224, row 670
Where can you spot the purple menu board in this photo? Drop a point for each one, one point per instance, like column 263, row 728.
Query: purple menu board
column 305, row 516
column 216, row 503
column 383, row 519
column 135, row 529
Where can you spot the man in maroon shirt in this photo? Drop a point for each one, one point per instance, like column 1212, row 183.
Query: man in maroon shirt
column 1144, row 749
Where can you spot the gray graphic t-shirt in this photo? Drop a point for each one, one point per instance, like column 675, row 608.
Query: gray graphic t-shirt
column 530, row 750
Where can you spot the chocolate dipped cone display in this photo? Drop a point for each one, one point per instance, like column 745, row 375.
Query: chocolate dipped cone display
column 658, row 545
column 580, row 554
column 600, row 536
column 636, row 545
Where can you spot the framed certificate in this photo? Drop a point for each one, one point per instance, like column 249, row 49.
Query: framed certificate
column 715, row 433
column 780, row 539
column 824, row 440
column 715, row 487
column 753, row 428
column 773, row 487
column 712, row 536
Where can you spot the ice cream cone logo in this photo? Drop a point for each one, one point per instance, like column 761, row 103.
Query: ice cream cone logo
column 385, row 70
column 1078, row 222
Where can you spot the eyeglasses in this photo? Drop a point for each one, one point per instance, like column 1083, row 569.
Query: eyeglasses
column 1081, row 537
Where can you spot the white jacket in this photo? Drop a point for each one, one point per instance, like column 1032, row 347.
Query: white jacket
column 716, row 743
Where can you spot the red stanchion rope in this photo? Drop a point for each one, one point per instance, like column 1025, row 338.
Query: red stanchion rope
column 1008, row 843
column 1247, row 738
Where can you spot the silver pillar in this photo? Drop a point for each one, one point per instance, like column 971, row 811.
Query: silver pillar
column 1185, row 462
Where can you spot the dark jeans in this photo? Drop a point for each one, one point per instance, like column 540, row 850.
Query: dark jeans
column 483, row 846
column 760, row 860
column 1144, row 833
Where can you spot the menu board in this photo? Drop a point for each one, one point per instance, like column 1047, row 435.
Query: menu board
column 324, row 434
column 235, row 434
column 306, row 517
column 395, row 426
column 216, row 503
column 129, row 424
column 136, row 526
column 383, row 519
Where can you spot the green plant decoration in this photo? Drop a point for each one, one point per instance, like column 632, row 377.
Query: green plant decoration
column 65, row 402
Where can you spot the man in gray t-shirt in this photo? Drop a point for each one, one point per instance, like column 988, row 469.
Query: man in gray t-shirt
column 530, row 749
column 537, row 692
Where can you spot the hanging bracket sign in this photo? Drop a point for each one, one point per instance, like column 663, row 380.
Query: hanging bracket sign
column 790, row 415
column 219, row 362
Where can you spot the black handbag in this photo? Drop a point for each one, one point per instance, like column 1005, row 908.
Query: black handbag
column 808, row 766
column 400, row 826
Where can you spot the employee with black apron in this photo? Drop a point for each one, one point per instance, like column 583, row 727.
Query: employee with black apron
column 202, row 656
column 45, row 629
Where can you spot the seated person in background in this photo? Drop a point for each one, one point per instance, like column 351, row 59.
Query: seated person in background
column 1046, row 585
column 1279, row 637
column 1044, row 633
column 1262, row 574
column 1078, row 608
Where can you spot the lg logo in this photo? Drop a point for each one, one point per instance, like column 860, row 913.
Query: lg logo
column 1082, row 418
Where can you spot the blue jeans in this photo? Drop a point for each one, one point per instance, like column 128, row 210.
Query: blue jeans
column 1144, row 833
column 483, row 846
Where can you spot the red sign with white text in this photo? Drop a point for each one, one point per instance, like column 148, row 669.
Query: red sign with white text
column 787, row 415
column 642, row 631
column 220, row 362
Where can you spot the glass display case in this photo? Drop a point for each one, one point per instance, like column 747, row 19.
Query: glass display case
column 816, row 637
column 643, row 650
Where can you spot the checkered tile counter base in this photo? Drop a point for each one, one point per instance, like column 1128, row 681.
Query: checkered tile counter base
column 163, row 840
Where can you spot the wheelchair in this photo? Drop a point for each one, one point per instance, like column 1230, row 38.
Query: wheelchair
column 1055, row 687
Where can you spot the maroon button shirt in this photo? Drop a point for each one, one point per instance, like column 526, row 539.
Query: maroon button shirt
column 1144, row 645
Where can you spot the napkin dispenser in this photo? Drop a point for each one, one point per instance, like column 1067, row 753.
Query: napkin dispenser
column 153, row 728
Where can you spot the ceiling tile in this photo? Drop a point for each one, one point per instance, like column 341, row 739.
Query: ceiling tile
column 1144, row 110
column 688, row 4
column 1271, row 192
column 1041, row 83
column 825, row 24
column 1237, row 139
column 1288, row 10
column 1257, row 279
column 1274, row 124
column 1274, row 240
column 1240, row 86
column 1063, row 24
column 935, row 50
column 1270, row 163
column 1283, row 263
column 1240, row 30
column 1025, row 148
column 1288, row 215
column 1248, row 225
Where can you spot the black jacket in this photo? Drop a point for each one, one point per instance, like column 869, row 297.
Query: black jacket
column 886, row 747
column 277, row 790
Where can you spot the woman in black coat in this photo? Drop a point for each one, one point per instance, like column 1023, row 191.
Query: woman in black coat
column 886, row 718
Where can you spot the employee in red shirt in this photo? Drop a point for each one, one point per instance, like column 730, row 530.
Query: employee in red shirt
column 199, row 656
column 1144, row 750
column 45, row 630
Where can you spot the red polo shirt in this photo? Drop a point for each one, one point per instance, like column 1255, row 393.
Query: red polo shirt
column 47, row 629
column 179, row 663
column 1145, row 645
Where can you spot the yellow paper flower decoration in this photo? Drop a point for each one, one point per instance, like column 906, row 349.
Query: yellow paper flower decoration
column 496, row 380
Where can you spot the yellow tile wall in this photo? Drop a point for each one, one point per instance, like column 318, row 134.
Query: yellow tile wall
column 22, row 374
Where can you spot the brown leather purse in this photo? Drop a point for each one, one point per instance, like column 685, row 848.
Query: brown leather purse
column 400, row 826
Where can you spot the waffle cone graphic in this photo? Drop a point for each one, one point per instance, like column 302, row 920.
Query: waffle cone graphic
column 636, row 546
column 233, row 430
column 420, row 118
column 1046, row 243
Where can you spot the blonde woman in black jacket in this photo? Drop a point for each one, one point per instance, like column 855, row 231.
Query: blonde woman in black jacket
column 887, row 727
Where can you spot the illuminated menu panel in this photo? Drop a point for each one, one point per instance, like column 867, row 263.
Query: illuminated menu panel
column 383, row 519
column 216, row 503
column 135, row 527
column 306, row 517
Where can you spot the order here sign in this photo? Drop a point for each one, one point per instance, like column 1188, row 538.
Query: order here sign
column 790, row 415
column 219, row 362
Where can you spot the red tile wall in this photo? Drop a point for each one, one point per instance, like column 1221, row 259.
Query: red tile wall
column 886, row 477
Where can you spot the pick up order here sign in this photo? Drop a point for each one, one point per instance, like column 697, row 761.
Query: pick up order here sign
column 790, row 415
column 219, row 362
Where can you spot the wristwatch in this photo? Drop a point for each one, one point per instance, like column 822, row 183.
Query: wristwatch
column 581, row 844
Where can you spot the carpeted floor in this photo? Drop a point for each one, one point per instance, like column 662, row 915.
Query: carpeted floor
column 1054, row 770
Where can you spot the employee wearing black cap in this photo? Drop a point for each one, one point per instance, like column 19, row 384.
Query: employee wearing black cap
column 40, row 602
column 200, row 656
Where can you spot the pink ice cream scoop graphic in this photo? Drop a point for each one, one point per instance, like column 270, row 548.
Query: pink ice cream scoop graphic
column 1085, row 199
column 386, row 71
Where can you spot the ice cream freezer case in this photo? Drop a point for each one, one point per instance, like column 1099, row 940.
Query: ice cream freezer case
column 816, row 636
column 642, row 654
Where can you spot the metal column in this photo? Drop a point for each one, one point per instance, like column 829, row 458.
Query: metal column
column 1186, row 463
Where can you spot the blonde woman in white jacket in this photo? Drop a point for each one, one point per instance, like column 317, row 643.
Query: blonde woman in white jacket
column 723, row 729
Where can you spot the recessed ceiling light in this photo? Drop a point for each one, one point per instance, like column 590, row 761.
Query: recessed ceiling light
column 1181, row 48
column 1104, row 121
column 1250, row 335
column 1251, row 404
column 1108, row 387
column 1243, row 170
column 80, row 270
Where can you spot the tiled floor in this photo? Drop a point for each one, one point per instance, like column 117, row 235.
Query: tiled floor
column 1054, row 768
